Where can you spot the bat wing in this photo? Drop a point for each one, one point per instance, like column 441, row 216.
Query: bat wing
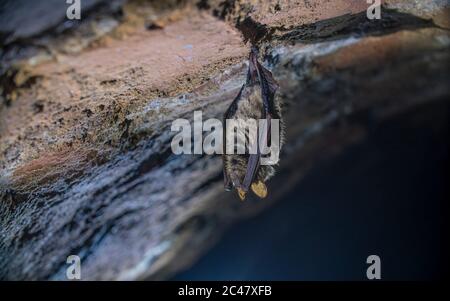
column 228, row 114
column 268, row 88
column 254, row 159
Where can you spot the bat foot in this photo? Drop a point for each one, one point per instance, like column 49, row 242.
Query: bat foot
column 242, row 194
column 260, row 189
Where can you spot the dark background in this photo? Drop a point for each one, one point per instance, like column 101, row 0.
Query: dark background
column 385, row 196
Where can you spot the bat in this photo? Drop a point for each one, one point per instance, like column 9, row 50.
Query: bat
column 257, row 99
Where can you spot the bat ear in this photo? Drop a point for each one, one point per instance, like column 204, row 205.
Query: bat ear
column 260, row 189
column 242, row 194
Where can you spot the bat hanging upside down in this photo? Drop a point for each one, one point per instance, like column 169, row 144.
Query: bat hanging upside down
column 257, row 100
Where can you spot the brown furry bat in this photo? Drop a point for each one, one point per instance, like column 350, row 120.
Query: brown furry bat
column 257, row 100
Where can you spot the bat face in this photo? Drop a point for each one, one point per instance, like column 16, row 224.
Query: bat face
column 256, row 100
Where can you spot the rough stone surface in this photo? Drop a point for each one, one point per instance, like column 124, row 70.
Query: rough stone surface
column 86, row 162
column 436, row 10
column 78, row 98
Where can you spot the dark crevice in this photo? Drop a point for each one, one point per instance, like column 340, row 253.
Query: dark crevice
column 154, row 160
column 355, row 25
column 252, row 30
